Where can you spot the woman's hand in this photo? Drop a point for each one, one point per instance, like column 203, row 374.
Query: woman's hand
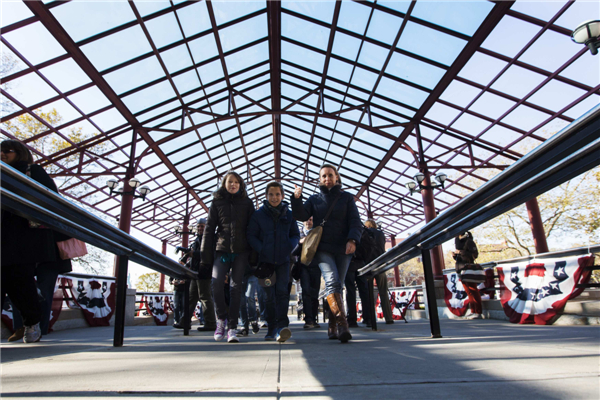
column 350, row 247
column 297, row 191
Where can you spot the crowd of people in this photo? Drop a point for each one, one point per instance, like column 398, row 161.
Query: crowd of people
column 253, row 250
column 242, row 256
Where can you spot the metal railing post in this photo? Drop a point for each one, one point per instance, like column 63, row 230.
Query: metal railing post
column 122, row 262
column 187, row 318
column 371, row 305
column 434, row 319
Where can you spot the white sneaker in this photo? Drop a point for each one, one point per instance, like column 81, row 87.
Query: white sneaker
column 32, row 333
column 232, row 336
column 220, row 331
column 475, row 316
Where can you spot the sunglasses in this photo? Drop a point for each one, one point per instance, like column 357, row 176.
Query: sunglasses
column 7, row 151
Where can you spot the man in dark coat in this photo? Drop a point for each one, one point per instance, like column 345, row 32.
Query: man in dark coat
column 381, row 279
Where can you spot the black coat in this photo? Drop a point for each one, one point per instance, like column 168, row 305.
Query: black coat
column 24, row 245
column 226, row 225
column 466, row 251
column 343, row 223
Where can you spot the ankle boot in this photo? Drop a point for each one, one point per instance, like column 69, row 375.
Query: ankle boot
column 332, row 328
column 337, row 309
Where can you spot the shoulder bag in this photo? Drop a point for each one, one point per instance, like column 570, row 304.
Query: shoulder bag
column 311, row 241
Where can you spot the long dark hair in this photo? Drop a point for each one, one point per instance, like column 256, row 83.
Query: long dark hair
column 237, row 176
column 22, row 152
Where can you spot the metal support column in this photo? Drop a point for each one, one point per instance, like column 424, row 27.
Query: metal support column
column 372, row 312
column 434, row 319
column 161, row 287
column 396, row 269
column 537, row 226
column 430, row 213
column 119, row 335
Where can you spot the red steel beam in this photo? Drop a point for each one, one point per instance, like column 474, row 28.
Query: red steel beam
column 274, row 19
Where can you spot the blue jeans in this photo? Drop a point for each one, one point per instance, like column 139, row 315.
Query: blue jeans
column 334, row 268
column 278, row 299
column 248, row 301
column 236, row 269
column 178, row 306
column 310, row 281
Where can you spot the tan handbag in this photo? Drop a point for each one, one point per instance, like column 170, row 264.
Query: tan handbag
column 312, row 240
column 71, row 248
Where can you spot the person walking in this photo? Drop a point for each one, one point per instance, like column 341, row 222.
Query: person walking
column 225, row 247
column 381, row 279
column 466, row 253
column 200, row 289
column 341, row 234
column 273, row 233
column 25, row 245
column 310, row 282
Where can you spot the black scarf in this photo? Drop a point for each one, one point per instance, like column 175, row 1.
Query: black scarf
column 275, row 211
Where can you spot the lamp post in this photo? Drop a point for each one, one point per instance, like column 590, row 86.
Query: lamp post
column 134, row 183
column 422, row 183
column 588, row 33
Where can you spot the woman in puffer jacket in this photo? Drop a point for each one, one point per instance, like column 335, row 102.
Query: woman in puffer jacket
column 224, row 246
column 273, row 233
column 341, row 233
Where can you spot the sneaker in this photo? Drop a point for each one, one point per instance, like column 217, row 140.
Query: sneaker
column 220, row 331
column 309, row 325
column 32, row 333
column 243, row 332
column 232, row 336
column 18, row 335
column 270, row 335
column 475, row 316
column 255, row 327
column 284, row 334
column 316, row 324
column 264, row 325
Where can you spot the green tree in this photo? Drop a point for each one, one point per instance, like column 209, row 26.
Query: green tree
column 149, row 282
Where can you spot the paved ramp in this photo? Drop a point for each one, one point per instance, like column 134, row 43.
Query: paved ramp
column 475, row 360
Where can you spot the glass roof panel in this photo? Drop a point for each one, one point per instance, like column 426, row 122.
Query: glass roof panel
column 460, row 93
column 301, row 56
column 31, row 90
column 518, row 81
column 244, row 32
column 204, row 48
column 556, row 95
column 194, row 18
column 482, row 68
column 491, row 105
column 135, row 75
column 414, row 70
column 583, row 106
column 463, row 17
column 584, row 69
column 43, row 48
column 304, row 31
column 164, row 30
column 525, row 118
column 364, row 79
column 340, row 70
column 543, row 53
column 145, row 98
column 82, row 19
column 509, row 36
column 186, row 82
column 211, row 71
column 321, row 10
column 384, row 27
column 578, row 12
column 176, row 59
column 146, row 7
column 226, row 10
column 250, row 56
column 354, row 17
column 544, row 13
column 65, row 75
column 90, row 100
column 373, row 56
column 345, row 46
column 109, row 119
column 430, row 43
column 117, row 48
column 401, row 92
column 13, row 11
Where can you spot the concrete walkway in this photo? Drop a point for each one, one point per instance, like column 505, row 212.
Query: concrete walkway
column 485, row 359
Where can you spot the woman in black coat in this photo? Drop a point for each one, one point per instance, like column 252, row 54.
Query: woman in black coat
column 341, row 234
column 24, row 247
column 224, row 246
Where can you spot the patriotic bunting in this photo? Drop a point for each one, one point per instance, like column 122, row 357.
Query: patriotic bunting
column 535, row 292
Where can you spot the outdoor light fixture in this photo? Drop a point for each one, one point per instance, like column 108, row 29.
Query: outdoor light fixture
column 134, row 183
column 588, row 33
column 417, row 185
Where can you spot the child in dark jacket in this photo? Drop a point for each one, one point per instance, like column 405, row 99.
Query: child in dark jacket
column 273, row 233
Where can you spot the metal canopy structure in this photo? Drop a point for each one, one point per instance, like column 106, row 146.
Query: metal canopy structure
column 178, row 93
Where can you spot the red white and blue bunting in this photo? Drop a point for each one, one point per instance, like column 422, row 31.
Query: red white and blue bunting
column 157, row 305
column 455, row 296
column 536, row 291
